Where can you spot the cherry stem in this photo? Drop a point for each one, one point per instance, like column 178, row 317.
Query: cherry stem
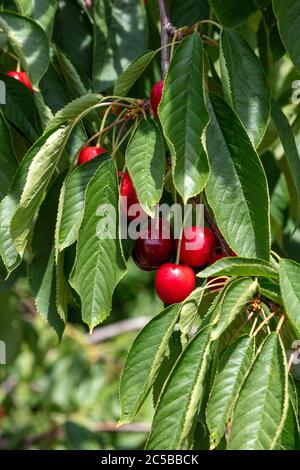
column 280, row 323
column 266, row 320
column 211, row 22
column 181, row 234
column 263, row 316
column 249, row 316
column 106, row 129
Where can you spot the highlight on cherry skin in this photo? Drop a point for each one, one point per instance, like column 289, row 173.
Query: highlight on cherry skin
column 197, row 246
column 21, row 77
column 174, row 282
column 155, row 246
column 155, row 96
column 88, row 153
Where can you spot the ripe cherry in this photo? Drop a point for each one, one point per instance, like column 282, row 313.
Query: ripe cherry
column 88, row 153
column 155, row 96
column 127, row 190
column 174, row 283
column 197, row 246
column 155, row 246
column 22, row 77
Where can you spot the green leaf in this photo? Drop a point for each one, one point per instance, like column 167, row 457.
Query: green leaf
column 261, row 409
column 188, row 312
column 20, row 108
column 238, row 194
column 30, row 43
column 99, row 263
column 119, row 38
column 76, row 109
column 62, row 287
column 143, row 362
column 233, row 368
column 146, row 162
column 270, row 289
column 290, row 437
column 232, row 13
column 291, row 153
column 42, row 12
column 72, row 202
column 8, row 162
column 239, row 267
column 289, row 276
column 128, row 78
column 73, row 34
column 71, row 75
column 39, row 176
column 288, row 17
column 172, row 354
column 10, row 204
column 188, row 12
column 245, row 85
column 233, row 299
column 184, row 117
column 41, row 271
column 181, row 396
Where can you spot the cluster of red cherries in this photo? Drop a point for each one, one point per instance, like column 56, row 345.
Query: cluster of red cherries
column 152, row 250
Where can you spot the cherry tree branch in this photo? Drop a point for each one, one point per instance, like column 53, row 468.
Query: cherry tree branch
column 209, row 219
column 165, row 25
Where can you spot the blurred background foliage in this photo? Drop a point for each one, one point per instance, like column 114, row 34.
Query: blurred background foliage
column 65, row 395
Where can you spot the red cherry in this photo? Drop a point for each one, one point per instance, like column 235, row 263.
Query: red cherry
column 88, row 153
column 174, row 283
column 154, row 247
column 127, row 190
column 197, row 246
column 155, row 96
column 22, row 77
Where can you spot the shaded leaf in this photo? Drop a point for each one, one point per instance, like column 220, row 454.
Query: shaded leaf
column 290, row 151
column 30, row 43
column 119, row 38
column 232, row 12
column 8, row 162
column 288, row 16
column 42, row 12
